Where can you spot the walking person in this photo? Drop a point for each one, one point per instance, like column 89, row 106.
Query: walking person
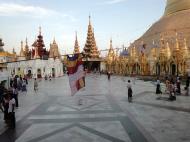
column 172, row 96
column 178, row 85
column 15, row 95
column 109, row 75
column 158, row 88
column 1, row 97
column 24, row 85
column 167, row 82
column 6, row 107
column 130, row 91
column 11, row 111
column 187, row 86
column 35, row 85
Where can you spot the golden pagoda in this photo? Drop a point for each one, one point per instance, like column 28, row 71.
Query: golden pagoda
column 90, row 49
column 76, row 46
column 1, row 45
column 27, row 52
column 111, row 53
column 169, row 53
column 54, row 50
column 110, row 58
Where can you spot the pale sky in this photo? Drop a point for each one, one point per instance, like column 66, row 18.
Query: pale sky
column 123, row 20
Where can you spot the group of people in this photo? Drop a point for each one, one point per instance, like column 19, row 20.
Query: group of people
column 19, row 83
column 9, row 98
column 173, row 87
column 8, row 102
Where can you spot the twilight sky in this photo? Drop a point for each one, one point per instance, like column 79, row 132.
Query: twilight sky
column 123, row 20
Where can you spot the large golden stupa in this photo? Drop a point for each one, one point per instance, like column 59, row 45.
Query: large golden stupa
column 176, row 18
column 164, row 49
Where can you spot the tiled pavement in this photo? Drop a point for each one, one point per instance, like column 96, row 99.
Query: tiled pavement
column 52, row 114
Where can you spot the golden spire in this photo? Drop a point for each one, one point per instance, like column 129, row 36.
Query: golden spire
column 134, row 51
column 26, row 50
column 14, row 51
column 22, row 51
column 54, row 50
column 89, row 19
column 185, row 44
column 90, row 49
column 185, row 51
column 76, row 47
column 162, row 49
column 1, row 45
column 111, row 53
column 54, row 42
column 40, row 30
column 177, row 42
column 89, row 41
column 111, row 47
column 168, row 51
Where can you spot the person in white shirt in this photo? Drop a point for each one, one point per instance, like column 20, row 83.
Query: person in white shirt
column 158, row 87
column 11, row 111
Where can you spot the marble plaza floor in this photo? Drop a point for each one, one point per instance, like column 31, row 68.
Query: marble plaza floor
column 52, row 115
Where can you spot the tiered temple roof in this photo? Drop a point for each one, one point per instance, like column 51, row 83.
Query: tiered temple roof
column 90, row 48
column 39, row 50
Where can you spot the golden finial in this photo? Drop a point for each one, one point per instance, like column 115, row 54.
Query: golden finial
column 185, row 43
column 89, row 19
column 26, row 41
column 21, row 43
column 54, row 42
column 76, row 34
column 40, row 30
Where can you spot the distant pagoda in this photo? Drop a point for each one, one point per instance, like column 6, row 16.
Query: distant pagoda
column 27, row 52
column 1, row 45
column 54, row 50
column 76, row 47
column 90, row 49
column 21, row 50
column 39, row 50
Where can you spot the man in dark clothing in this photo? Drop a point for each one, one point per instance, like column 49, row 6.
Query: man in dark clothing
column 187, row 85
column 1, row 96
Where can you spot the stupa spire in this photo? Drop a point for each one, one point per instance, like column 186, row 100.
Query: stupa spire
column 1, row 45
column 177, row 42
column 26, row 49
column 111, row 51
column 54, row 50
column 90, row 41
column 76, row 47
column 168, row 51
column 21, row 50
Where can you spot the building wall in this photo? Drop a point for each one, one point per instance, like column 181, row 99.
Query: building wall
column 42, row 67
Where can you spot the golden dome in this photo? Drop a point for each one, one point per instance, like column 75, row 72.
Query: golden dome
column 175, row 19
column 176, row 5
